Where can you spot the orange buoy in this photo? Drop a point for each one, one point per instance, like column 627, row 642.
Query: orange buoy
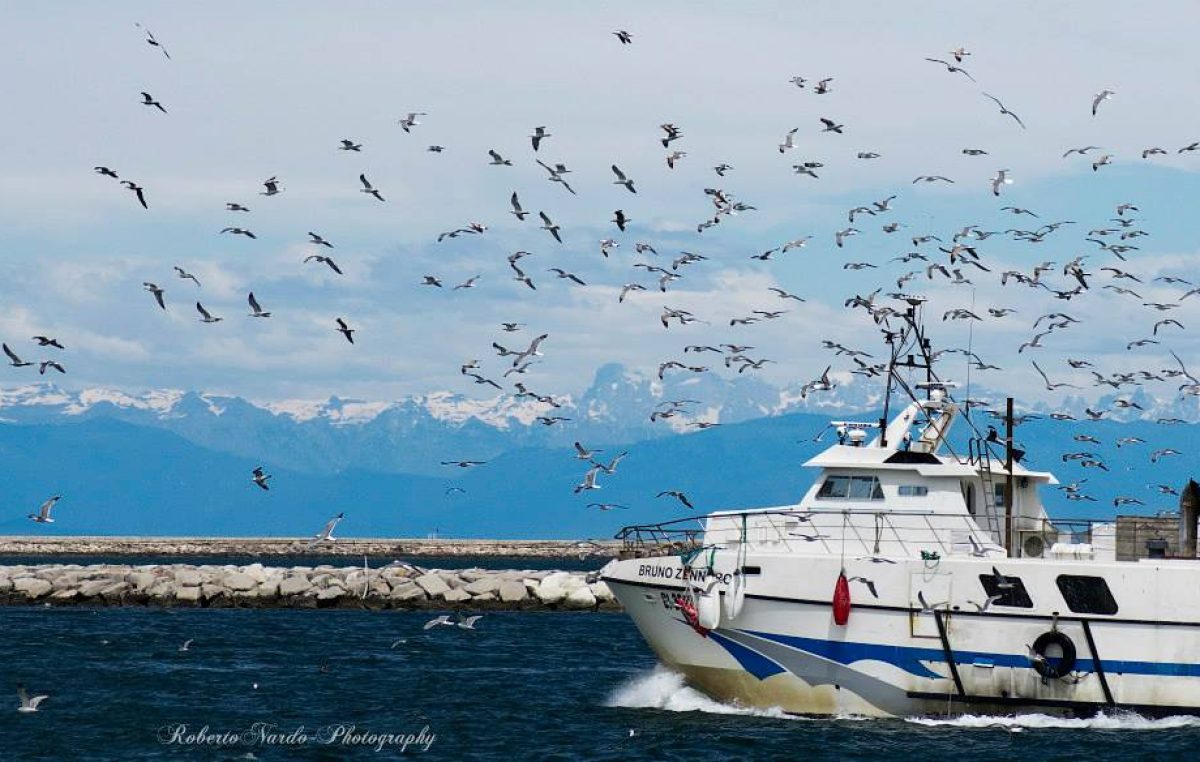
column 841, row 600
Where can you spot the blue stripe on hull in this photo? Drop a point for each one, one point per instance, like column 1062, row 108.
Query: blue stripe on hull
column 909, row 658
column 750, row 660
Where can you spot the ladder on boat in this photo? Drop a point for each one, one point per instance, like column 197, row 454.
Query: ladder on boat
column 981, row 456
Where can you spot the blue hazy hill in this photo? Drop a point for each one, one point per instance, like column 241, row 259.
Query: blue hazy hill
column 118, row 478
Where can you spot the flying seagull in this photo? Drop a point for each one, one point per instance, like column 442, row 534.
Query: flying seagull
column 678, row 496
column 185, row 275
column 13, row 360
column 410, row 121
column 260, row 478
column 1099, row 98
column 150, row 40
column 326, row 532
column 46, row 341
column 319, row 240
column 368, row 188
column 346, row 330
column 148, row 100
column 549, row 226
column 257, row 310
column 158, row 292
column 138, row 191
column 28, row 703
column 498, row 160
column 324, row 260
column 51, row 364
column 205, row 316
column 517, row 211
column 350, row 145
column 626, row 38
column 539, row 134
column 1004, row 109
column 43, row 514
column 272, row 187
column 622, row 179
column 441, row 621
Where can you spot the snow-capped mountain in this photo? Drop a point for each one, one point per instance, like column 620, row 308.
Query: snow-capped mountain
column 413, row 435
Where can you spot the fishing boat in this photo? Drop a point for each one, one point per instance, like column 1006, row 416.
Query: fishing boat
column 919, row 575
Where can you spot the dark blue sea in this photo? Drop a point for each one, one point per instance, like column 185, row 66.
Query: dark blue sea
column 332, row 684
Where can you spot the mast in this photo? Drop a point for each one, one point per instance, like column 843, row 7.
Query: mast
column 1008, row 477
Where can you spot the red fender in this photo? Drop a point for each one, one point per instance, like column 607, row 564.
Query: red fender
column 841, row 600
column 692, row 617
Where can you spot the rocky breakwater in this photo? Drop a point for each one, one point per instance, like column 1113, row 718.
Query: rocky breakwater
column 258, row 586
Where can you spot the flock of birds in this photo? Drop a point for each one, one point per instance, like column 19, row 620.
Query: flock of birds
column 935, row 258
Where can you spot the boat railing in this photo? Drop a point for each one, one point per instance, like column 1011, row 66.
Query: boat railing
column 851, row 530
column 663, row 539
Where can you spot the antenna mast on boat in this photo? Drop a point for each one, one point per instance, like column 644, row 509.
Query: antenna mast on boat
column 902, row 343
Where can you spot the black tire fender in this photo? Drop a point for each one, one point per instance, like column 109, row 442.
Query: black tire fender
column 1054, row 668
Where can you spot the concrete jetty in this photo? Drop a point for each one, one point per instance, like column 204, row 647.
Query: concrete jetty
column 276, row 546
column 258, row 586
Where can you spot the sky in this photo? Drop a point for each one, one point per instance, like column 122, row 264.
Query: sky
column 269, row 89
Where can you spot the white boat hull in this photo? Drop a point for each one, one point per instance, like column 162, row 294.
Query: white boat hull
column 784, row 650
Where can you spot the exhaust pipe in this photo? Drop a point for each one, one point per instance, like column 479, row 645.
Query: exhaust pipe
column 1189, row 513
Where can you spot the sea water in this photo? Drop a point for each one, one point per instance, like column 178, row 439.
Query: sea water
column 335, row 684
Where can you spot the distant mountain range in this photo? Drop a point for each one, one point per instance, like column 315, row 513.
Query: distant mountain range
column 178, row 462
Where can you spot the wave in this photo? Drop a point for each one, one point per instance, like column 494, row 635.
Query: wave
column 1101, row 721
column 661, row 688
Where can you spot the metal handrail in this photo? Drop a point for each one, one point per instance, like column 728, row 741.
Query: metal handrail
column 681, row 535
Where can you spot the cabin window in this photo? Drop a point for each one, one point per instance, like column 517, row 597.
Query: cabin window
column 1086, row 595
column 998, row 493
column 913, row 490
column 1009, row 593
column 852, row 487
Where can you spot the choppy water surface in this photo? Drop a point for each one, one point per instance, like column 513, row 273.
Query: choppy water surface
column 522, row 686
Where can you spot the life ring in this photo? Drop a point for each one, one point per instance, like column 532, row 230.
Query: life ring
column 1053, row 667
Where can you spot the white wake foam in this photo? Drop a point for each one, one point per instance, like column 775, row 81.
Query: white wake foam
column 1118, row 721
column 663, row 689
